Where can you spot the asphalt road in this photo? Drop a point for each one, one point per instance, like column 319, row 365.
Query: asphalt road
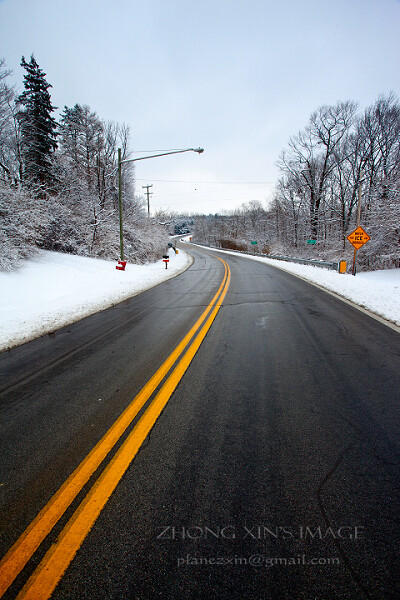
column 271, row 474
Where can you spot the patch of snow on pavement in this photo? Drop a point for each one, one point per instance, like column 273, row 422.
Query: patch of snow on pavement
column 57, row 289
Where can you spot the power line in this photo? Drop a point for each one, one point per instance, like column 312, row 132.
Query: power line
column 211, row 182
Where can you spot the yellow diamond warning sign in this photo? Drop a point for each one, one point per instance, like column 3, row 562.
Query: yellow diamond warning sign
column 358, row 237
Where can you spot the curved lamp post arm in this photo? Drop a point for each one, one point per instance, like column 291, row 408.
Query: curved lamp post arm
column 198, row 150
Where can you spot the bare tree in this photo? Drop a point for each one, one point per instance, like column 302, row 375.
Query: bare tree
column 7, row 96
column 309, row 161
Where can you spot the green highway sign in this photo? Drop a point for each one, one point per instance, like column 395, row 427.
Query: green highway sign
column 311, row 241
column 253, row 242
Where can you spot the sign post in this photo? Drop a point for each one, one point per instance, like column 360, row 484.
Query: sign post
column 357, row 239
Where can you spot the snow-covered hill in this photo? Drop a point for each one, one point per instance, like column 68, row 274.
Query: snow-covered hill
column 56, row 289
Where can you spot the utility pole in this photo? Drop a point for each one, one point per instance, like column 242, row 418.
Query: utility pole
column 146, row 187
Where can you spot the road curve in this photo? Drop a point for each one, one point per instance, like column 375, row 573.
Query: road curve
column 272, row 472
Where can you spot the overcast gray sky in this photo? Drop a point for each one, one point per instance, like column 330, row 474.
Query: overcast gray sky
column 237, row 77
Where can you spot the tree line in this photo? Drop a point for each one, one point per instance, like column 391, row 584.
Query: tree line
column 59, row 179
column 59, row 187
column 339, row 153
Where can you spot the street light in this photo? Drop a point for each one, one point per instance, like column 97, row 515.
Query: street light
column 128, row 160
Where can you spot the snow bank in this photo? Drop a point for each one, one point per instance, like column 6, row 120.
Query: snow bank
column 376, row 291
column 56, row 289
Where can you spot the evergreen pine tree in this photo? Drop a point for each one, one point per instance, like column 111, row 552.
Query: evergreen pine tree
column 38, row 128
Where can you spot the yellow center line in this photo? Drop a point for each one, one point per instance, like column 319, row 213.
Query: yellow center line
column 21, row 552
column 44, row 580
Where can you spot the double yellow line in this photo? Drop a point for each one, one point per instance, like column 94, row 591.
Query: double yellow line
column 51, row 569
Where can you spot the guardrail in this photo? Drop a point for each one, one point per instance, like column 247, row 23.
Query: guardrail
column 303, row 261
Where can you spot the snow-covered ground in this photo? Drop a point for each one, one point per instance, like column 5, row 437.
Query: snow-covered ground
column 57, row 289
column 376, row 291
